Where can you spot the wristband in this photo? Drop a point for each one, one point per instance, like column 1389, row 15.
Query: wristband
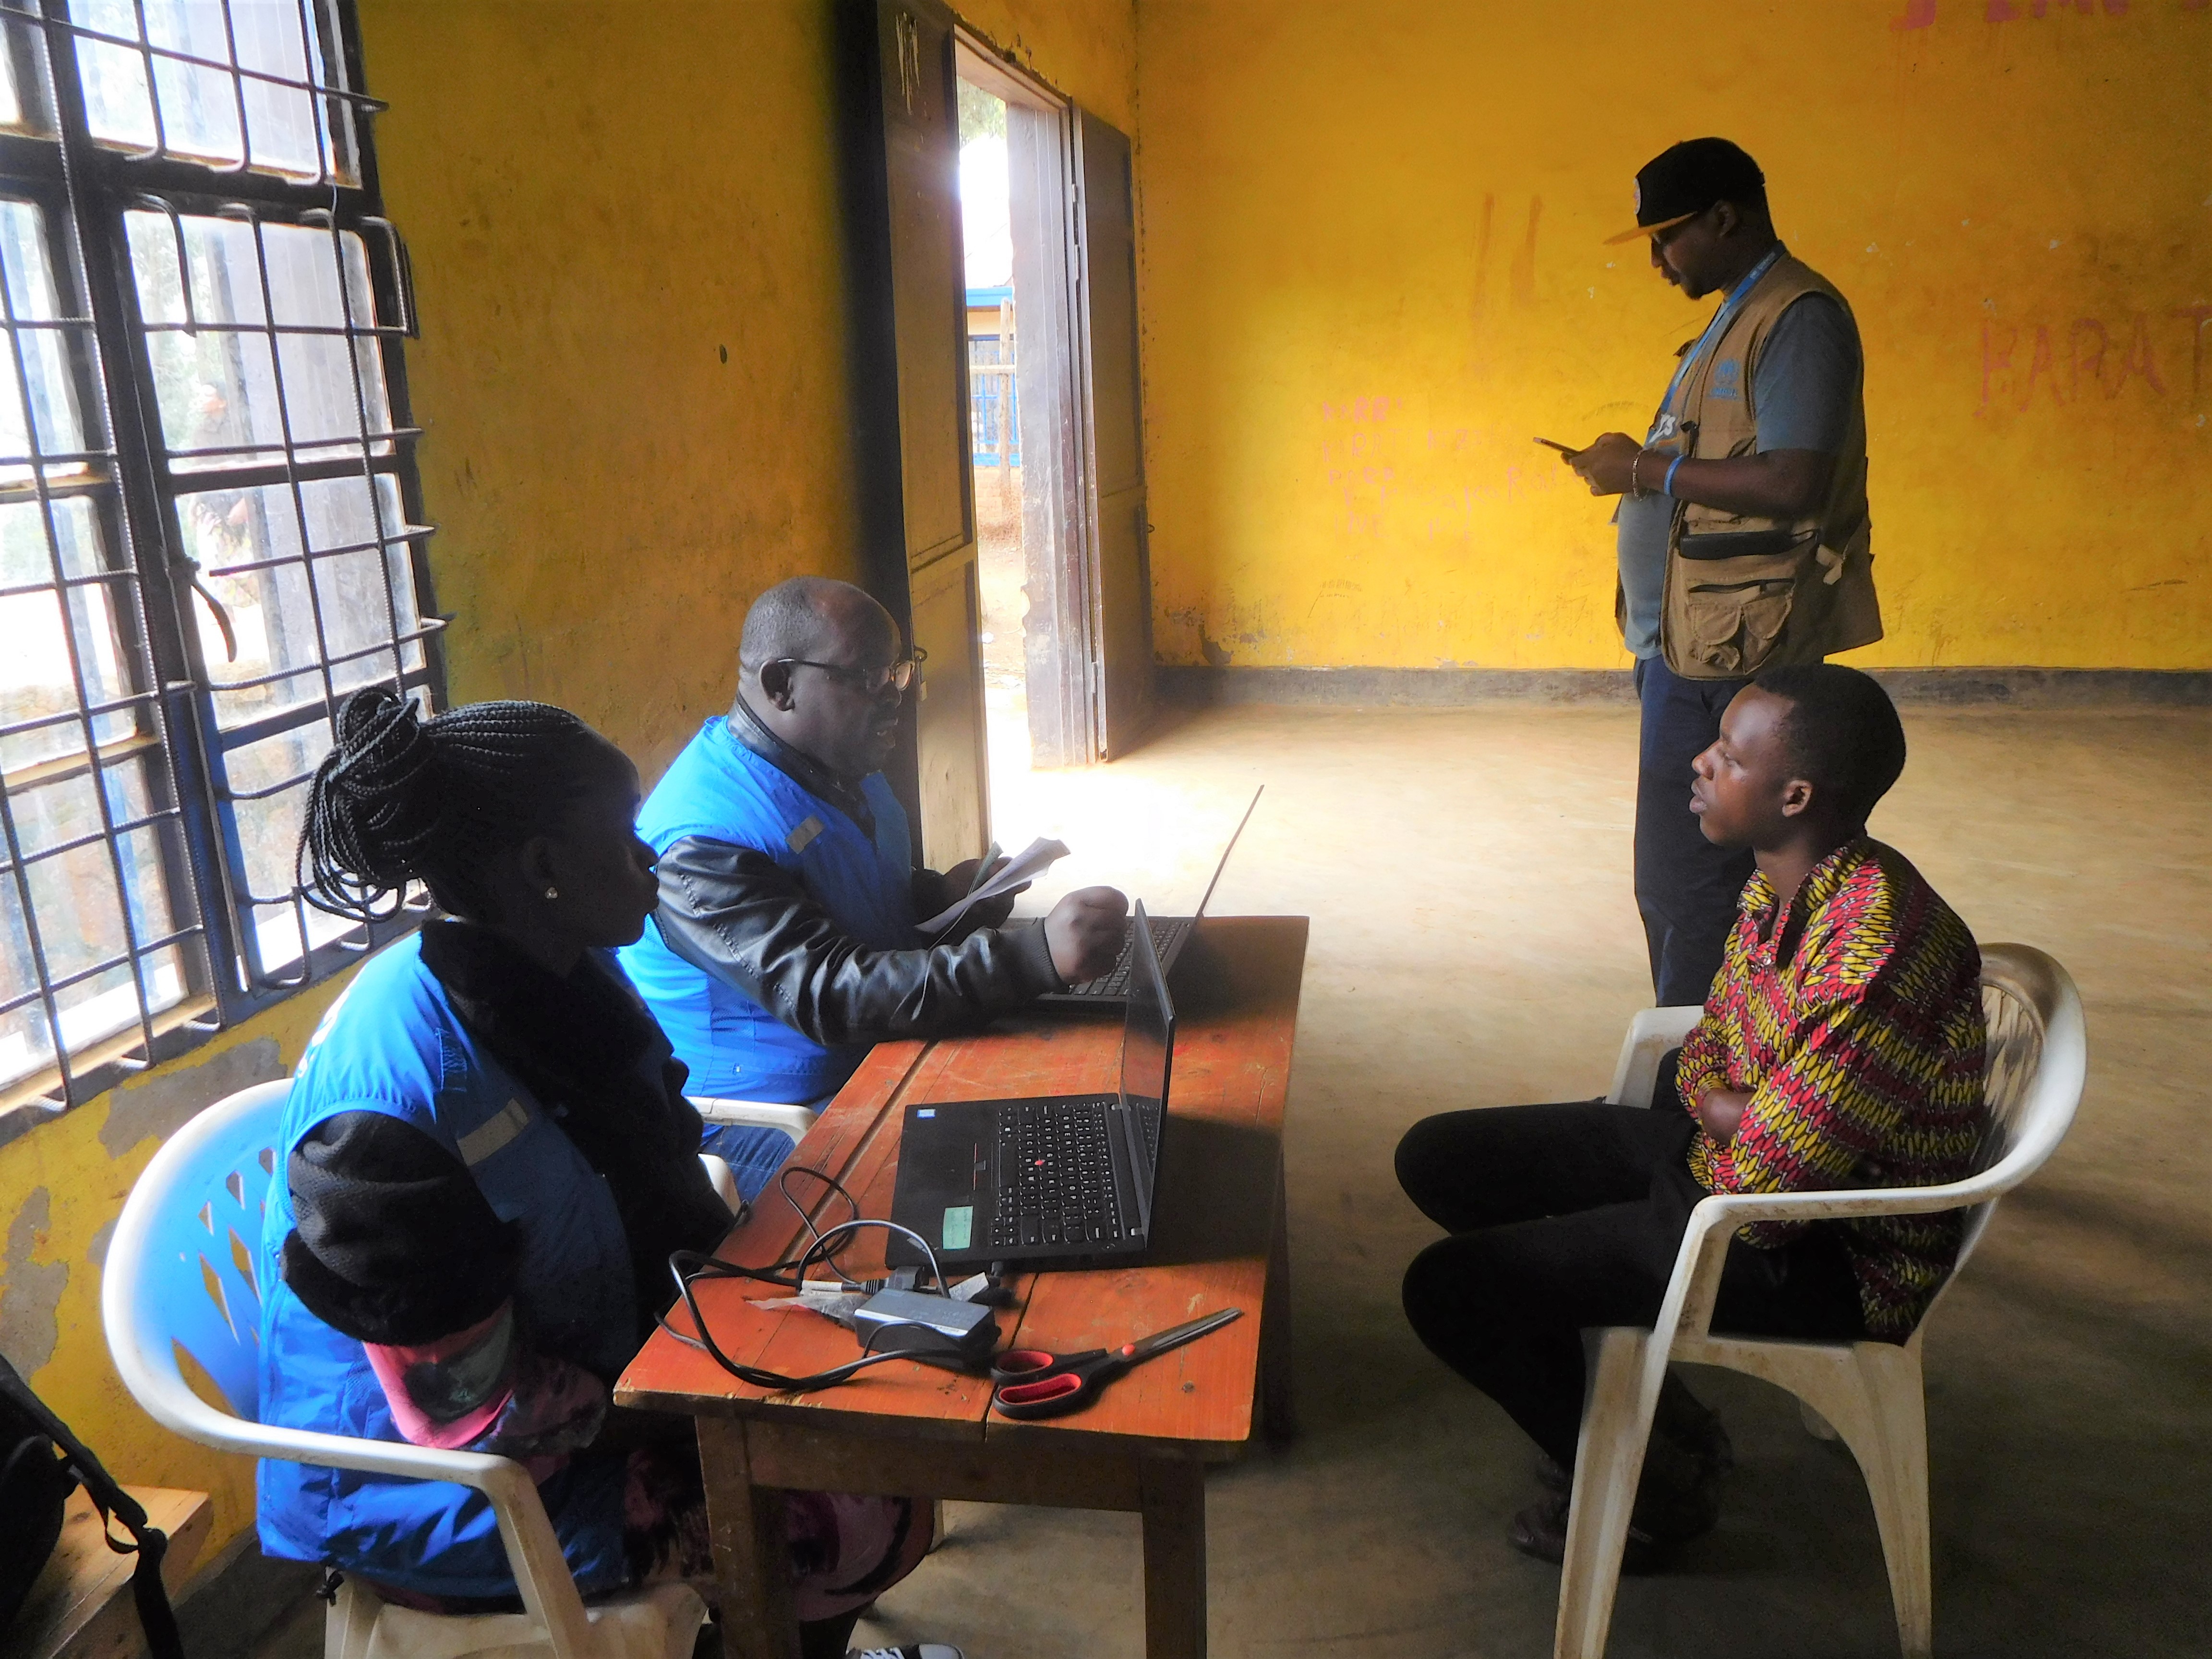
column 1666, row 487
column 1635, row 461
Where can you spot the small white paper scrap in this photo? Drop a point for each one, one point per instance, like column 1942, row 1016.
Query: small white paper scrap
column 1032, row 861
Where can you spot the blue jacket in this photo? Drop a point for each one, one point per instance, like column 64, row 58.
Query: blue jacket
column 719, row 790
column 392, row 1043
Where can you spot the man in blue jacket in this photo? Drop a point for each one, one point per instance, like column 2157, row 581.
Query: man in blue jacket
column 785, row 942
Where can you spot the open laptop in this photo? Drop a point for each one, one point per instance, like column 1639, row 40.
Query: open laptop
column 1058, row 1181
column 1170, row 934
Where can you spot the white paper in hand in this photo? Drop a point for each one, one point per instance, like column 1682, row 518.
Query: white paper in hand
column 1032, row 861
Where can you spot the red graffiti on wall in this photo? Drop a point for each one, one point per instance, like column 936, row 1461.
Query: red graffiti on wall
column 2196, row 317
column 2069, row 362
column 1921, row 14
column 1360, row 409
column 1482, row 264
column 1522, row 278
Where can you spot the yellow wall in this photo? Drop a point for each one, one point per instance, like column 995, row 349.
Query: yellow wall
column 1085, row 49
column 602, row 201
column 1343, row 369
column 1373, row 270
column 598, row 199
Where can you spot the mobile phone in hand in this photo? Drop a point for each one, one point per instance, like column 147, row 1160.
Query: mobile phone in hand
column 1564, row 449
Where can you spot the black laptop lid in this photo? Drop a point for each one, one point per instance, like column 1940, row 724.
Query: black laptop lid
column 1147, row 1052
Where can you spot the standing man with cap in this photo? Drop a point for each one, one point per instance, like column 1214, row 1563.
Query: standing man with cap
column 1743, row 536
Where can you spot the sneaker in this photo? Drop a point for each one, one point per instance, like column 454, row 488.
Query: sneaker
column 1693, row 1428
column 911, row 1650
column 1696, row 1428
column 1553, row 1475
column 1677, row 1500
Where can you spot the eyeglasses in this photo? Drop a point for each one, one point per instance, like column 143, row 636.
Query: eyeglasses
column 872, row 680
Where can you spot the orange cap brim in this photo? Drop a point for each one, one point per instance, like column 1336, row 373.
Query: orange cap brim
column 1650, row 230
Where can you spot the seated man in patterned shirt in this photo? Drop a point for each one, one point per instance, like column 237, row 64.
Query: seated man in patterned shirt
column 1841, row 1047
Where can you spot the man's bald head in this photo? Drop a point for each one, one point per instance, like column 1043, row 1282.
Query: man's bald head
column 816, row 661
column 812, row 616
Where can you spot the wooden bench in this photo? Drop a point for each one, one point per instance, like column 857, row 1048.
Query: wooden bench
column 81, row 1606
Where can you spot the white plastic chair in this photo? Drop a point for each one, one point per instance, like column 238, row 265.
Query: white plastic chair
column 794, row 1121
column 1869, row 1392
column 180, row 1286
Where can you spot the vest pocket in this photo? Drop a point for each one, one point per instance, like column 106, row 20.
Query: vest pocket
column 1735, row 627
column 1706, row 546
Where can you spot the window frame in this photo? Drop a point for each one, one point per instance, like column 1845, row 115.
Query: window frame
column 86, row 191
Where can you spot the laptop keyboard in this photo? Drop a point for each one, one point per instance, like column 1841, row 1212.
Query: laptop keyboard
column 1056, row 1176
column 1115, row 983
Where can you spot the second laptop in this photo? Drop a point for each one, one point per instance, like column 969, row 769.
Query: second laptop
column 1059, row 1180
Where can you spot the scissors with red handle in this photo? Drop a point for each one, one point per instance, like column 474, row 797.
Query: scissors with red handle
column 1034, row 1384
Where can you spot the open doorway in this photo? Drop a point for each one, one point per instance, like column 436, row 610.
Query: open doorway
column 1047, row 223
column 1014, row 212
column 994, row 422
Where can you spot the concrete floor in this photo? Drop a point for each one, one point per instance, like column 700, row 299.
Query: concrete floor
column 1474, row 942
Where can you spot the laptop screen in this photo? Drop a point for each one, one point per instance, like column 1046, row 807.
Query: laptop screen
column 1147, row 1049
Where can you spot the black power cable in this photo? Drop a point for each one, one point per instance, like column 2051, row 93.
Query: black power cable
column 688, row 1266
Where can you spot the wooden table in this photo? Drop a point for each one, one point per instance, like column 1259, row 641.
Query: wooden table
column 1219, row 1241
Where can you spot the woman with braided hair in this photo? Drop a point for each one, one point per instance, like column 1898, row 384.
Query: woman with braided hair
column 488, row 1158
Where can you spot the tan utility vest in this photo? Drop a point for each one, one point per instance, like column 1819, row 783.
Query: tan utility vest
column 1745, row 594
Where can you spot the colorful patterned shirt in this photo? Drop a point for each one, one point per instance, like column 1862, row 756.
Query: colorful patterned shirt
column 1864, row 1053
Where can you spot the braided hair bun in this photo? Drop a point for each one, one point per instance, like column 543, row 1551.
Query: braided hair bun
column 402, row 799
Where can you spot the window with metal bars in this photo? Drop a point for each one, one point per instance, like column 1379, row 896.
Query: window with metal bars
column 211, row 528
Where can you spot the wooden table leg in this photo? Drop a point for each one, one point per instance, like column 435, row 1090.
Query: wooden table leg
column 752, row 1560
column 1278, row 1406
column 1173, row 1492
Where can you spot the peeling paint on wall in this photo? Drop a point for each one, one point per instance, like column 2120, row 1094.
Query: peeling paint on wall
column 31, row 1292
column 158, row 1108
column 61, row 1187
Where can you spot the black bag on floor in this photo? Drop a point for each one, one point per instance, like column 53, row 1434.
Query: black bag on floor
column 41, row 1463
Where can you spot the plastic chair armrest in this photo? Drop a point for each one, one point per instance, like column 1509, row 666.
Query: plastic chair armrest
column 1688, row 1309
column 488, row 1474
column 1671, row 1023
column 1650, row 1035
column 533, row 1549
column 794, row 1121
column 1734, row 1210
column 721, row 1177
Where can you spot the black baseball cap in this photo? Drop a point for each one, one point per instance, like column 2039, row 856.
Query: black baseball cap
column 1683, row 180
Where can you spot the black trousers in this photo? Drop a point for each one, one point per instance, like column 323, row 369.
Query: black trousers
column 1567, row 1216
column 1686, row 887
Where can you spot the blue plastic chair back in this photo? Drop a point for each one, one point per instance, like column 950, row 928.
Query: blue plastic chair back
column 204, row 1248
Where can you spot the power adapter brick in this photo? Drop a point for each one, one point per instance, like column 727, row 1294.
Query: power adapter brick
column 907, row 1320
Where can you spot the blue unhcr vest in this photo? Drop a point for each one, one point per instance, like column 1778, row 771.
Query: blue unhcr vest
column 721, row 790
column 392, row 1043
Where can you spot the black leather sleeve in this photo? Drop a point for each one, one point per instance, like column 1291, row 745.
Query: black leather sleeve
column 737, row 914
column 930, row 895
column 393, row 1242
